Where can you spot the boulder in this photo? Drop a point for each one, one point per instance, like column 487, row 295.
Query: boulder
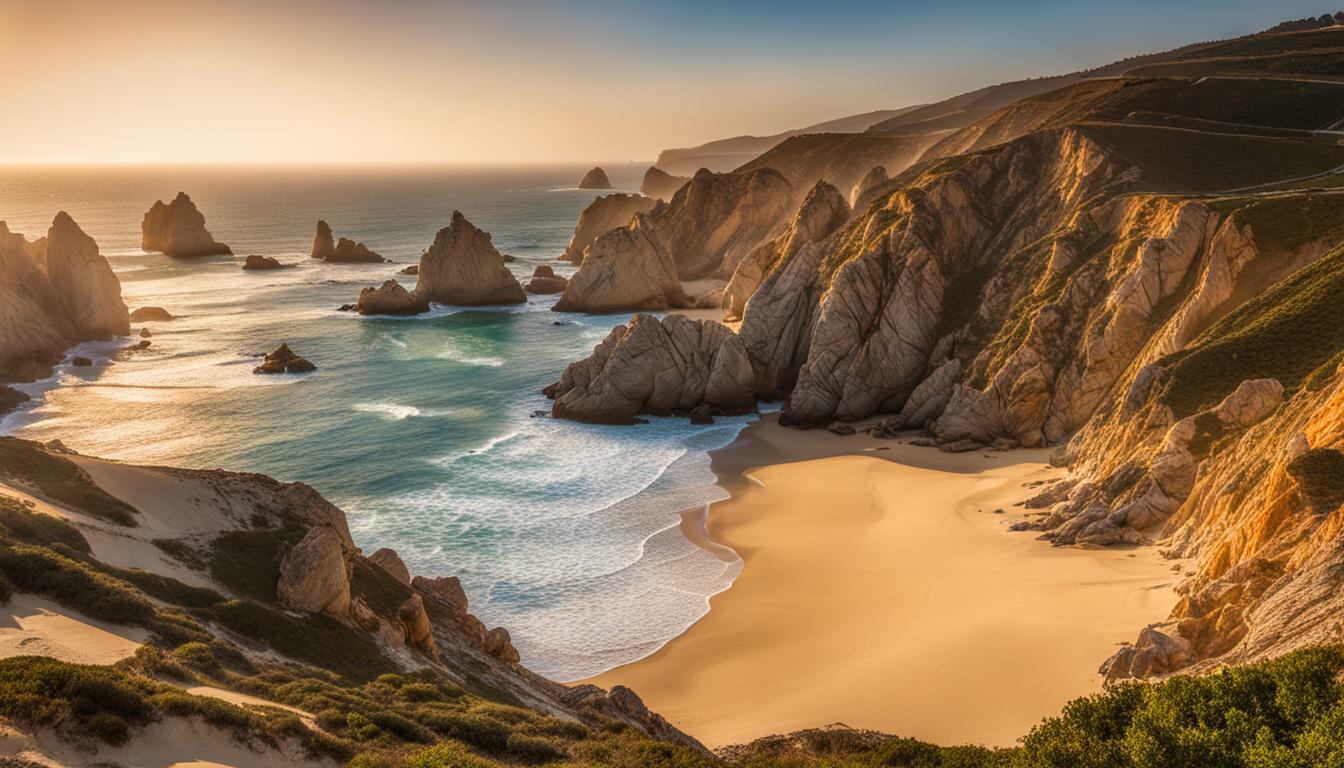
column 178, row 229
column 419, row 632
column 446, row 589
column 463, row 267
column 500, row 645
column 595, row 179
column 150, row 314
column 283, row 360
column 344, row 251
column 390, row 298
column 600, row 217
column 1253, row 400
column 625, row 269
column 308, row 505
column 413, row 269
column 389, row 561
column 256, row 261
column 145, row 333
column 656, row 366
column 660, row 184
column 314, row 575
column 81, row 362
column 544, row 280
column 87, row 291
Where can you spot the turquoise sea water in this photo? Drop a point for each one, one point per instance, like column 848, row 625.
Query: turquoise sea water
column 419, row 428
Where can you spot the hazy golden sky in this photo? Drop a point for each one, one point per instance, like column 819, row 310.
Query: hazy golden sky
column 415, row 81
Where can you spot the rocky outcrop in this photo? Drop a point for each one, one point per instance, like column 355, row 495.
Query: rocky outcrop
column 178, row 229
column 256, row 261
column 390, row 298
column 661, row 185
column 626, row 269
column 823, row 211
column 447, row 589
column 863, row 192
column 283, row 360
column 657, row 367
column 314, row 575
column 595, row 179
column 343, row 251
column 544, row 280
column 600, row 217
column 463, row 267
column 87, row 291
column 391, row 562
column 150, row 315
column 500, row 645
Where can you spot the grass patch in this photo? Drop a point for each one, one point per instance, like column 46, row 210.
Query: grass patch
column 248, row 562
column 317, row 640
column 74, row 584
column 384, row 594
column 98, row 701
column 60, row 480
column 20, row 523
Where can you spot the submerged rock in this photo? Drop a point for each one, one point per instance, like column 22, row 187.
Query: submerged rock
column 150, row 314
column 659, row 367
column 544, row 280
column 595, row 179
column 463, row 267
column 178, row 229
column 390, row 298
column 261, row 262
column 282, row 360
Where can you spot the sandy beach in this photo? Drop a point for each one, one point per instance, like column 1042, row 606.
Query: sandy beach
column 880, row 589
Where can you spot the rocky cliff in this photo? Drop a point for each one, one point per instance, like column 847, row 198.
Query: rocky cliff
column 463, row 267
column 625, row 269
column 178, row 229
column 600, row 217
column 660, row 184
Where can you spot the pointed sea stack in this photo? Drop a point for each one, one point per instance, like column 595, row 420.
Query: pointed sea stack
column 343, row 251
column 595, row 179
column 463, row 267
column 178, row 229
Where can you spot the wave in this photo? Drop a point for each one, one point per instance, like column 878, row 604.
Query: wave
column 398, row 412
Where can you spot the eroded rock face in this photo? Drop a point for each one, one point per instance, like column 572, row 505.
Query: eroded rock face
column 659, row 367
column 283, row 360
column 715, row 220
column 600, row 217
column 463, row 267
column 595, row 179
column 445, row 588
column 660, row 184
column 88, row 292
column 178, row 229
column 823, row 211
column 391, row 562
column 344, row 251
column 324, row 243
column 862, row 194
column 314, row 575
column 625, row 269
column 390, row 298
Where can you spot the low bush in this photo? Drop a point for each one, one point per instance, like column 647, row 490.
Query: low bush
column 21, row 524
column 60, row 480
column 317, row 640
column 74, row 584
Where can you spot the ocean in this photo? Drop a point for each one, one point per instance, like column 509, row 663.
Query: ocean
column 421, row 428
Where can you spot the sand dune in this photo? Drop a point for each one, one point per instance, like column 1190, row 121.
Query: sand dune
column 881, row 590
column 32, row 626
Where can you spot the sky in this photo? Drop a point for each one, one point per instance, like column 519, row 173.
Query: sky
column 512, row 81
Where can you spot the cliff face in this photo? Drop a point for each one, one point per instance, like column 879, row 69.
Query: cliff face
column 601, row 216
column 53, row 293
column 178, row 229
column 463, row 267
column 660, row 184
column 625, row 269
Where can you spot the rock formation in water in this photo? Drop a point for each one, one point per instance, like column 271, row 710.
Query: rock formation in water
column 54, row 293
column 862, row 193
column 283, row 360
column 595, row 179
column 390, row 298
column 657, row 367
column 822, row 213
column 343, row 251
column 258, row 262
column 463, row 267
column 625, row 269
column 150, row 314
column 544, row 280
column 661, row 185
column 600, row 217
column 178, row 229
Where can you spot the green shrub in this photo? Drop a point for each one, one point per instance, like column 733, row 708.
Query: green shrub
column 317, row 640
column 248, row 562
column 99, row 700
column 74, row 584
column 447, row 756
column 477, row 730
column 24, row 525
column 401, row 727
column 533, row 749
column 61, row 480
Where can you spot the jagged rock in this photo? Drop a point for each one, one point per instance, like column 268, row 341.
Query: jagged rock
column 715, row 220
column 1155, row 653
column 660, row 184
column 419, row 632
column 310, row 506
column 544, row 280
column 150, row 314
column 888, row 429
column 595, row 179
column 823, row 211
column 1253, row 400
column 625, row 269
column 178, row 229
column 85, row 287
column 447, row 589
column 389, row 561
column 500, row 645
column 283, row 360
column 600, row 217
column 928, row 400
column 314, row 575
column 256, row 261
column 344, row 251
column 656, row 366
column 463, row 267
column 390, row 298
column 861, row 195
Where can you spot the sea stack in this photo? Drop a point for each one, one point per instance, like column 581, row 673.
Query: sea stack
column 463, row 267
column 178, row 229
column 88, row 291
column 283, row 360
column 595, row 179
column 544, row 280
column 390, row 299
column 256, row 261
column 343, row 251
